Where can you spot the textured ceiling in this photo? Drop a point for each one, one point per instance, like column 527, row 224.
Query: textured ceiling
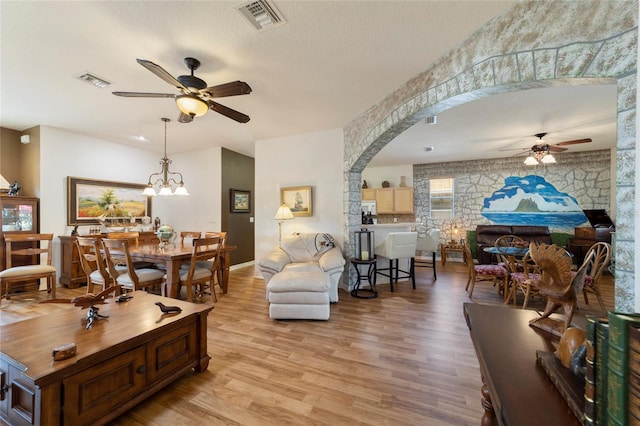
column 328, row 64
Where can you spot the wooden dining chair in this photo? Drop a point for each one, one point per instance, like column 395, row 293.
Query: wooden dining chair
column 481, row 272
column 134, row 241
column 93, row 263
column 202, row 268
column 186, row 235
column 599, row 256
column 117, row 253
column 29, row 248
column 511, row 249
column 221, row 234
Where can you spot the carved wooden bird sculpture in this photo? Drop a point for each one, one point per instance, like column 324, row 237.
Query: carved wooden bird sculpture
column 557, row 282
column 89, row 299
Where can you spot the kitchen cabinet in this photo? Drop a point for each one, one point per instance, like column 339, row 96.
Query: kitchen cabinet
column 368, row 194
column 394, row 200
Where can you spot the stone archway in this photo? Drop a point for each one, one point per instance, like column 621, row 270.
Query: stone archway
column 523, row 48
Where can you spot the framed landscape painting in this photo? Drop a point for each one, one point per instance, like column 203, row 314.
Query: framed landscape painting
column 240, row 201
column 298, row 199
column 91, row 201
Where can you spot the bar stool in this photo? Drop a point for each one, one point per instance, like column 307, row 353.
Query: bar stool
column 398, row 245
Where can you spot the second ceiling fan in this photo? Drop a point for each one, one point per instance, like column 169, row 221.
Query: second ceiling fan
column 195, row 98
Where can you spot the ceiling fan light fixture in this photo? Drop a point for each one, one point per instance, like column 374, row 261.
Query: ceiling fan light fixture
column 192, row 105
column 548, row 159
column 531, row 161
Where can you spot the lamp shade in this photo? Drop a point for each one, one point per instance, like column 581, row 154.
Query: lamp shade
column 548, row 159
column 181, row 190
column 283, row 213
column 531, row 161
column 165, row 190
column 192, row 105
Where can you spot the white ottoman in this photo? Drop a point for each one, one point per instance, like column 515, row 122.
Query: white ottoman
column 299, row 295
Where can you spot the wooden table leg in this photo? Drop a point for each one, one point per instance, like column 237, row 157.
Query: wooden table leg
column 443, row 254
column 223, row 271
column 489, row 416
column 173, row 278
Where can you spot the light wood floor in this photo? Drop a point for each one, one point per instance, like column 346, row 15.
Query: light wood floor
column 405, row 358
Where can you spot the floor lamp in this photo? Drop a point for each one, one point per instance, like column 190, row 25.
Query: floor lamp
column 283, row 213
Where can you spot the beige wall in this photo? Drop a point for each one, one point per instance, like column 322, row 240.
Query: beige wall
column 10, row 154
column 19, row 161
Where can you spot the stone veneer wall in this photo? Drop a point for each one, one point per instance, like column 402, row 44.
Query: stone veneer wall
column 583, row 175
column 533, row 44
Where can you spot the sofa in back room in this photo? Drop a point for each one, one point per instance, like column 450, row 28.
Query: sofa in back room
column 486, row 236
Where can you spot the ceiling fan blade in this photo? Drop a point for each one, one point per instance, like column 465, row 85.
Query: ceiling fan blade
column 573, row 142
column 185, row 118
column 160, row 72
column 228, row 112
column 556, row 148
column 228, row 89
column 144, row 95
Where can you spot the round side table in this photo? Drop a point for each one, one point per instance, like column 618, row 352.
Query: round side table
column 369, row 275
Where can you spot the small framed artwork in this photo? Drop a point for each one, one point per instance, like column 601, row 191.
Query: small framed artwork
column 240, row 201
column 298, row 199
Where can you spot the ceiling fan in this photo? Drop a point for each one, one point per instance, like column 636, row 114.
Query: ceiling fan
column 541, row 151
column 195, row 98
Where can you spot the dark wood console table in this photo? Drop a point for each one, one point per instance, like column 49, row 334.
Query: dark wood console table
column 515, row 390
column 120, row 361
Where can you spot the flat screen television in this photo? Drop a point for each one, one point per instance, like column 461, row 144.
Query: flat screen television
column 599, row 218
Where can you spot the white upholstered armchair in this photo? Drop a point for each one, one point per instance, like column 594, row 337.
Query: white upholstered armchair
column 306, row 252
column 428, row 241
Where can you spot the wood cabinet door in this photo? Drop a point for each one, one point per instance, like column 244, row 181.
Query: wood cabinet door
column 368, row 194
column 384, row 200
column 91, row 393
column 173, row 353
column 403, row 200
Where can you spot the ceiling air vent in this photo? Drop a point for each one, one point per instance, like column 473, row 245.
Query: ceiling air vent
column 92, row 79
column 432, row 119
column 262, row 14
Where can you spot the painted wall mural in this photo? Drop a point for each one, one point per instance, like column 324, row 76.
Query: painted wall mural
column 531, row 200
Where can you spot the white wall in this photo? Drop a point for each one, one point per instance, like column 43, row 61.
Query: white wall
column 313, row 159
column 375, row 175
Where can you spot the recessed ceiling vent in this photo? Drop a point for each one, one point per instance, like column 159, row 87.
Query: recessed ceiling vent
column 432, row 119
column 261, row 14
column 92, row 79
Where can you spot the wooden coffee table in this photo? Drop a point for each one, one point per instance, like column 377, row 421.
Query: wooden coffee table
column 120, row 361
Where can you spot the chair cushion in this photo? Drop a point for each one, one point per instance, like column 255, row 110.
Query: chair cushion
column 295, row 281
column 144, row 275
column 520, row 277
column 18, row 271
column 496, row 270
column 588, row 280
column 306, row 246
column 302, row 267
column 198, row 273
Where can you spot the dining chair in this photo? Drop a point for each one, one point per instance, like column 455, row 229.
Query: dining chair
column 598, row 261
column 93, row 263
column 134, row 241
column 29, row 247
column 202, row 268
column 481, row 272
column 189, row 235
column 117, row 253
column 222, row 235
column 510, row 250
column 398, row 245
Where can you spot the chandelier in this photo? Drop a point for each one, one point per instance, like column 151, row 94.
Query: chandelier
column 162, row 178
column 539, row 154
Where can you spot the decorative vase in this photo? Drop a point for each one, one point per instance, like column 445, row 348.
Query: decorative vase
column 364, row 184
column 385, row 183
column 403, row 181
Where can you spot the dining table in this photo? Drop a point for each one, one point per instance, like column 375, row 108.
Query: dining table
column 173, row 256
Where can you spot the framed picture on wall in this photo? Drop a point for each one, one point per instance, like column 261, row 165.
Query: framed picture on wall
column 298, row 199
column 91, row 201
column 240, row 201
